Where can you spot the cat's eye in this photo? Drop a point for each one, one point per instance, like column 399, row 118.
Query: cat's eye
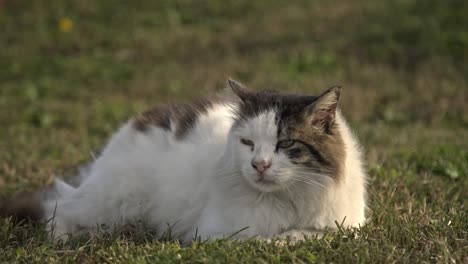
column 284, row 144
column 247, row 142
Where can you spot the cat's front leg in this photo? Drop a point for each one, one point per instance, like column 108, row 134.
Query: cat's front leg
column 294, row 236
column 217, row 232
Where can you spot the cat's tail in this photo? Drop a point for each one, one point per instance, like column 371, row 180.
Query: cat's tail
column 29, row 206
column 25, row 206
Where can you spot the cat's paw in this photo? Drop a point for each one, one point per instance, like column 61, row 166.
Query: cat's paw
column 58, row 235
column 294, row 236
column 278, row 242
column 59, row 232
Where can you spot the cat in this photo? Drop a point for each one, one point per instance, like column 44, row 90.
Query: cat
column 244, row 164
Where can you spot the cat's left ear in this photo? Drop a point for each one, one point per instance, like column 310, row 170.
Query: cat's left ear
column 322, row 112
column 238, row 89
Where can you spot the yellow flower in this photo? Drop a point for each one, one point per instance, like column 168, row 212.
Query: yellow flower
column 65, row 24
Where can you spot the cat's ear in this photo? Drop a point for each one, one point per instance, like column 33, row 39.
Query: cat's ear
column 238, row 89
column 322, row 112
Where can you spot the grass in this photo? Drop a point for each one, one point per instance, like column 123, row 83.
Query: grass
column 72, row 72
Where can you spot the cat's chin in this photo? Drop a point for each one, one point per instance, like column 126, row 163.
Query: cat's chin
column 263, row 185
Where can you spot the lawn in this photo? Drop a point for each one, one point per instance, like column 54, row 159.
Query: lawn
column 71, row 72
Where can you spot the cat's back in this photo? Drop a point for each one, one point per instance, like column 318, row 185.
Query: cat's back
column 172, row 136
column 201, row 121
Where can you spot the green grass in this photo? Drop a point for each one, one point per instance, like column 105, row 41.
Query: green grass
column 63, row 91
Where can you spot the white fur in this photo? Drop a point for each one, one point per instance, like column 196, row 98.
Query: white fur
column 204, row 184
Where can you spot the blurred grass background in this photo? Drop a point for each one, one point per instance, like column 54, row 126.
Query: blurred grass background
column 72, row 71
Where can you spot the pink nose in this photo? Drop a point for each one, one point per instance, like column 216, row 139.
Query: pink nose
column 261, row 165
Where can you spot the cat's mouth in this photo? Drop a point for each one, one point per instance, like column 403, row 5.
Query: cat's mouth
column 262, row 180
column 265, row 184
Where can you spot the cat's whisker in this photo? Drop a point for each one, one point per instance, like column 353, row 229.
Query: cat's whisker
column 302, row 178
column 232, row 168
column 308, row 176
column 311, row 170
column 303, row 173
column 313, row 180
column 289, row 192
column 310, row 183
column 235, row 178
column 228, row 176
column 222, row 173
column 312, row 175
column 296, row 168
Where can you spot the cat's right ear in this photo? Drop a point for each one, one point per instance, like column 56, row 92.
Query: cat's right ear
column 322, row 112
column 238, row 89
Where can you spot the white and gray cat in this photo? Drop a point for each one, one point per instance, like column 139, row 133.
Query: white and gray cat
column 267, row 163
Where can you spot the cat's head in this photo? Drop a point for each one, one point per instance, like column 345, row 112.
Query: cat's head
column 279, row 140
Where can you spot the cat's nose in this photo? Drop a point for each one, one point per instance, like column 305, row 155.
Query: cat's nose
column 261, row 165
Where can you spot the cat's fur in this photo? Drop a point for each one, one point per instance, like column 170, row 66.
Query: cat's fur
column 216, row 166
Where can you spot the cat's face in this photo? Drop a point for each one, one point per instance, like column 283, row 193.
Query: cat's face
column 262, row 164
column 282, row 140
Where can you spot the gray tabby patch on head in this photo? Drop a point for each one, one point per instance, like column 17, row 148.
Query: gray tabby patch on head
column 309, row 121
column 253, row 103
